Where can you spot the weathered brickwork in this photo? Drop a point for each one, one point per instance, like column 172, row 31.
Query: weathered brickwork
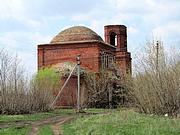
column 53, row 54
column 68, row 97
column 119, row 33
column 79, row 40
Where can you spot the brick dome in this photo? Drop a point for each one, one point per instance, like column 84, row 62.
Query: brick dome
column 75, row 34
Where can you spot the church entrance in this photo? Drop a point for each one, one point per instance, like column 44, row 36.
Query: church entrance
column 68, row 97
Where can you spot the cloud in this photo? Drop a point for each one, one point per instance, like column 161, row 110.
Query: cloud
column 169, row 33
column 170, row 30
column 132, row 30
column 24, row 44
column 47, row 8
column 26, row 23
column 21, row 39
column 12, row 9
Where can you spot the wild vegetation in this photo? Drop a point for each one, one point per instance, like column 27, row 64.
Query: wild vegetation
column 23, row 124
column 155, row 86
column 18, row 95
column 153, row 89
column 14, row 131
column 123, row 122
column 105, row 89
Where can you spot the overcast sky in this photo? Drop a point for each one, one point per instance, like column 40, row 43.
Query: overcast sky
column 26, row 23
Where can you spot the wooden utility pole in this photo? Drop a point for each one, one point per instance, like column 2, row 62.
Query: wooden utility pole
column 59, row 93
column 157, row 56
column 78, row 82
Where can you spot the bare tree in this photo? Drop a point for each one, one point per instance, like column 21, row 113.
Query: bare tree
column 19, row 95
column 155, row 86
column 105, row 89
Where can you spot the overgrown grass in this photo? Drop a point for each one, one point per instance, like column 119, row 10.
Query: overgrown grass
column 99, row 110
column 35, row 116
column 45, row 130
column 14, row 131
column 123, row 123
column 44, row 115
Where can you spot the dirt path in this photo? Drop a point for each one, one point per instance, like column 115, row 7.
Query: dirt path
column 56, row 127
column 55, row 123
column 34, row 130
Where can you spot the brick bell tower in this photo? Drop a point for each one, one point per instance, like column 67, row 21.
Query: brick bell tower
column 116, row 35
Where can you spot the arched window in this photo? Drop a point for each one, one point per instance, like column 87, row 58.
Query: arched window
column 113, row 39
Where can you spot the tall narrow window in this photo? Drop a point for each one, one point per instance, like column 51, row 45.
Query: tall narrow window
column 113, row 39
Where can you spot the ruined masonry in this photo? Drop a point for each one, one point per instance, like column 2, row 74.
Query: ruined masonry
column 96, row 54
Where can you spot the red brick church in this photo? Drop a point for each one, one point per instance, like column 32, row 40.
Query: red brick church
column 95, row 53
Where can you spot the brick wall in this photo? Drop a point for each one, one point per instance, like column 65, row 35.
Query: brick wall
column 68, row 97
column 53, row 54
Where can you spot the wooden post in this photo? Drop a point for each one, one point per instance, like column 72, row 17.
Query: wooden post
column 78, row 82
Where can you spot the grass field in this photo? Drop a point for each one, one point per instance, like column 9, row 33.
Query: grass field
column 35, row 116
column 45, row 130
column 43, row 115
column 123, row 122
column 23, row 130
column 107, row 122
column 14, row 131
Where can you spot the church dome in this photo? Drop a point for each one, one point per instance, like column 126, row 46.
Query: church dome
column 75, row 34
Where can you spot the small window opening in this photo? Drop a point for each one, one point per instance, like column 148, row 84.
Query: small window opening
column 113, row 39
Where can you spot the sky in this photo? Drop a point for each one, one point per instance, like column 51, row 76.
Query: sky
column 26, row 23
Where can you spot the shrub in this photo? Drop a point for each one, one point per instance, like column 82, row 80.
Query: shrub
column 43, row 88
column 155, row 87
column 17, row 94
column 105, row 90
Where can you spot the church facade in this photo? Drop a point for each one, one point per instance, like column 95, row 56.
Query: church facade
column 96, row 54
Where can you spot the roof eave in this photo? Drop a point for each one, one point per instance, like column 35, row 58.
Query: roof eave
column 77, row 42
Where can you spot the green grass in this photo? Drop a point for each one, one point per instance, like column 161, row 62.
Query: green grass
column 45, row 130
column 95, row 110
column 112, row 122
column 35, row 116
column 123, row 122
column 43, row 115
column 14, row 131
column 25, row 117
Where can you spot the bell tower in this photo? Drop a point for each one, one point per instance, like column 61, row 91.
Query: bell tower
column 116, row 35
